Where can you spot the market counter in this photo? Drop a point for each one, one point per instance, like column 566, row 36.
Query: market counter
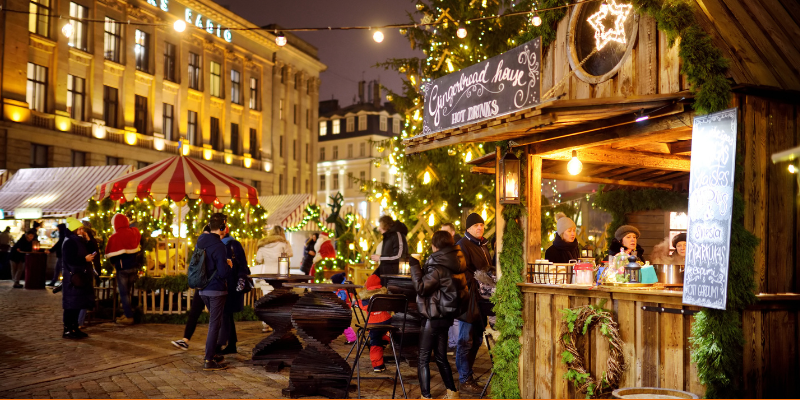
column 656, row 346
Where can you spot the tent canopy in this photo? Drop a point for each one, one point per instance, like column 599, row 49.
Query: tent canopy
column 58, row 192
column 288, row 210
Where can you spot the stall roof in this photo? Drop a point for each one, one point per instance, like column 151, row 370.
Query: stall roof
column 4, row 175
column 59, row 192
column 288, row 210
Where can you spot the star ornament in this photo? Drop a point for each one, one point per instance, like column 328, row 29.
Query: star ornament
column 620, row 12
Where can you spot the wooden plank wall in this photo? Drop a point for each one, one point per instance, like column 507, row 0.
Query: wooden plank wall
column 656, row 344
column 651, row 225
column 771, row 357
column 770, row 192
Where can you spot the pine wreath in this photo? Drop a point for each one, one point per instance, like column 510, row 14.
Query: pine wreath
column 576, row 323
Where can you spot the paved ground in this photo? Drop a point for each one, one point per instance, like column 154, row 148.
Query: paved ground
column 139, row 361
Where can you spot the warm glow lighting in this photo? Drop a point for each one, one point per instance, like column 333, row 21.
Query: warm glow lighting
column 419, row 247
column 267, row 166
column 63, row 126
column 158, row 143
column 642, row 118
column 207, row 153
column 16, row 116
column 574, row 166
column 280, row 40
column 228, row 159
column 426, row 178
column 248, row 162
column 536, row 20
column 483, row 214
column 378, row 36
column 462, row 31
column 450, row 65
column 99, row 131
column 130, row 138
column 351, row 246
column 431, row 220
column 512, row 186
column 602, row 35
column 179, row 25
column 468, row 156
column 792, row 168
column 185, row 148
column 68, row 29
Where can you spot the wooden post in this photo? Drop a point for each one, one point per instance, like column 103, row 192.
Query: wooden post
column 499, row 221
column 534, row 199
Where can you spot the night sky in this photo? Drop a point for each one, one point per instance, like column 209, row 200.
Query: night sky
column 349, row 55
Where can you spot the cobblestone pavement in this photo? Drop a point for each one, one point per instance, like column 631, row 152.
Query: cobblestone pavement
column 139, row 362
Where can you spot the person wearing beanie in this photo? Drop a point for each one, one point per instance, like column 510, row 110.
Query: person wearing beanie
column 78, row 287
column 564, row 247
column 377, row 337
column 472, row 323
column 679, row 243
column 122, row 251
column 626, row 239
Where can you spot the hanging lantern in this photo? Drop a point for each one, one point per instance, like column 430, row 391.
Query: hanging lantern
column 509, row 179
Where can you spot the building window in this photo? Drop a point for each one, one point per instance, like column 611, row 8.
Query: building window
column 384, row 124
column 280, row 109
column 38, row 156
column 350, row 150
column 336, row 126
column 236, row 83
column 294, row 150
column 253, row 94
column 362, row 176
column 110, row 106
column 282, row 71
column 297, row 78
column 169, row 61
column 78, row 38
column 112, row 160
column 76, row 97
column 142, row 164
column 308, row 119
column 362, row 149
column 140, row 114
column 308, row 187
column 194, row 71
column 308, row 86
column 257, row 186
column 280, row 146
column 294, row 184
column 322, row 182
column 216, row 80
column 280, row 184
column 78, row 158
column 111, row 40
column 215, row 136
column 323, row 128
column 335, row 182
column 37, row 87
column 322, row 154
column 335, row 152
column 254, row 149
column 39, row 17
column 383, row 176
column 168, row 125
column 142, row 51
column 349, row 180
column 362, row 122
column 395, row 125
column 191, row 128
column 351, row 124
column 294, row 118
column 307, row 159
column 235, row 139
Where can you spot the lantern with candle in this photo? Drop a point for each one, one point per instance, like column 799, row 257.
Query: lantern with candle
column 509, row 179
column 283, row 264
column 36, row 246
column 405, row 268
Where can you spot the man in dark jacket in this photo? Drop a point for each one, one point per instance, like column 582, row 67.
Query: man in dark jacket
column 472, row 323
column 441, row 295
column 21, row 247
column 309, row 253
column 216, row 292
column 395, row 247
column 78, row 285
column 237, row 281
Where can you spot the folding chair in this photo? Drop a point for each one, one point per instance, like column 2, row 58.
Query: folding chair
column 395, row 303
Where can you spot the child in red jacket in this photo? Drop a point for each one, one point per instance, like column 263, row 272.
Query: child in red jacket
column 377, row 337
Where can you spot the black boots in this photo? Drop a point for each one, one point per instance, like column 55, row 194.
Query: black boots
column 73, row 333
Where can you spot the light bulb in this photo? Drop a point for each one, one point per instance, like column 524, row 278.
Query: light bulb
column 419, row 247
column 426, row 178
column 179, row 25
column 280, row 40
column 574, row 166
column 377, row 36
column 468, row 156
column 792, row 169
column 431, row 220
column 68, row 29
column 536, row 20
column 462, row 31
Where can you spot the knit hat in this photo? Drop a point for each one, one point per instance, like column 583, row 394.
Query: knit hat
column 563, row 223
column 624, row 230
column 473, row 219
column 681, row 237
column 73, row 224
column 87, row 224
column 373, row 282
column 338, row 278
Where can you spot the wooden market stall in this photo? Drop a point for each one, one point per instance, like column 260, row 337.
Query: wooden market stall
column 602, row 117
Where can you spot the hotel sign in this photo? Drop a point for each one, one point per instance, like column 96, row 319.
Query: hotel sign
column 197, row 20
column 500, row 85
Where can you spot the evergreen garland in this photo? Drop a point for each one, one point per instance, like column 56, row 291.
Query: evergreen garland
column 507, row 299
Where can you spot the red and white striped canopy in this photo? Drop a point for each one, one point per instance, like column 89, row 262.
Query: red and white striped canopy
column 177, row 178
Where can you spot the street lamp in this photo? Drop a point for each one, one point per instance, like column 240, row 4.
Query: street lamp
column 509, row 179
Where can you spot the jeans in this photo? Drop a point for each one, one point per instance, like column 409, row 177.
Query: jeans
column 17, row 269
column 470, row 337
column 227, row 333
column 435, row 339
column 82, row 317
column 216, row 307
column 195, row 310
column 125, row 280
column 57, row 272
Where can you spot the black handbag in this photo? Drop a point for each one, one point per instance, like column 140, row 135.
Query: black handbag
column 77, row 280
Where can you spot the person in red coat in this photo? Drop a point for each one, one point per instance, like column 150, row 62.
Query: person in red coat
column 324, row 249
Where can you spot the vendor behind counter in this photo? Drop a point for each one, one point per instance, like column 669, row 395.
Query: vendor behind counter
column 626, row 239
column 565, row 247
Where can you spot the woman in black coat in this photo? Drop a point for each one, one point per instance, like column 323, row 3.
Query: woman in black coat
column 235, row 301
column 78, row 287
column 565, row 248
column 309, row 253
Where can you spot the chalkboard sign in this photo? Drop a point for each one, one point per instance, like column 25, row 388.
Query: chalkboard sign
column 705, row 281
column 500, row 85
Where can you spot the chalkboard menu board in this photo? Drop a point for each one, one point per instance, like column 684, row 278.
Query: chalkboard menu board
column 500, row 85
column 705, row 281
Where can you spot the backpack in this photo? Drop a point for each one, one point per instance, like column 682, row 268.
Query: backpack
column 198, row 275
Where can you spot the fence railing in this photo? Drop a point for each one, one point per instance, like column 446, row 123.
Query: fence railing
column 164, row 302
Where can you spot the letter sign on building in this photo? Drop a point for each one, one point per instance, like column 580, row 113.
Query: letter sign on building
column 209, row 26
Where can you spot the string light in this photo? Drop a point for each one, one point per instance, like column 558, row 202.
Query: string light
column 378, row 36
column 280, row 39
column 574, row 166
column 462, row 31
column 602, row 35
column 179, row 25
column 68, row 29
column 536, row 20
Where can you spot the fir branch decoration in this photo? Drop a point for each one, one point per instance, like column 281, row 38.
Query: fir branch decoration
column 507, row 300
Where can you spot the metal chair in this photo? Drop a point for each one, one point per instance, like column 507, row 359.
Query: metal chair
column 381, row 302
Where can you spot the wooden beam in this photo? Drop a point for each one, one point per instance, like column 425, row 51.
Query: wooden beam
column 622, row 133
column 682, row 146
column 534, row 193
column 626, row 158
column 482, row 170
column 682, row 133
column 577, row 178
